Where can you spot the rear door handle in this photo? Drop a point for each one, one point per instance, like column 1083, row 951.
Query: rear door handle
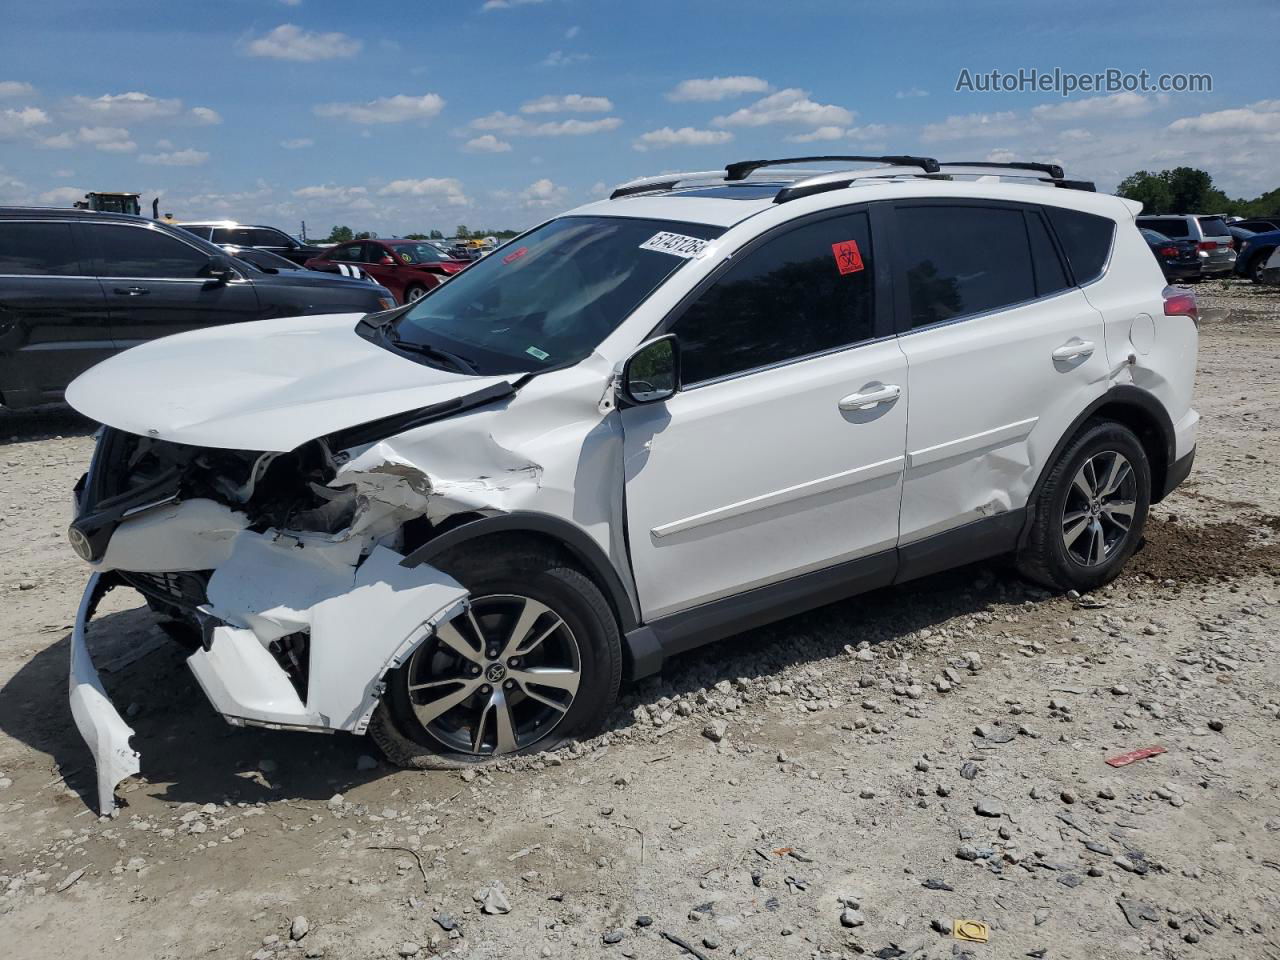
column 131, row 291
column 1074, row 348
column 865, row 401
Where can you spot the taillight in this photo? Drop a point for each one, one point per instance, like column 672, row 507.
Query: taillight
column 1207, row 245
column 1168, row 251
column 1181, row 302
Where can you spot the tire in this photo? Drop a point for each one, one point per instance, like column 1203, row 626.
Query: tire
column 414, row 292
column 497, row 580
column 1061, row 507
column 1254, row 271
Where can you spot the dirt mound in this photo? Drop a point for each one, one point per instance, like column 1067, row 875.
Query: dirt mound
column 1204, row 554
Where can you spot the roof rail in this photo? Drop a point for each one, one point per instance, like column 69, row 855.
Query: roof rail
column 1051, row 169
column 744, row 168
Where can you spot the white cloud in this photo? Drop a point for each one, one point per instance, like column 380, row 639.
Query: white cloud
column 542, row 193
column 486, row 143
column 447, row 189
column 176, row 158
column 64, row 173
column 206, row 116
column 61, row 141
column 396, row 109
column 717, row 88
column 572, row 32
column 16, row 88
column 130, row 107
column 297, row 143
column 1262, row 117
column 600, row 189
column 352, row 197
column 507, row 4
column 291, row 42
column 910, row 94
column 867, row 132
column 569, row 103
column 973, row 125
column 822, row 133
column 62, row 196
column 787, row 106
column 107, row 139
column 558, row 58
column 292, row 3
column 499, row 122
column 684, row 137
column 15, row 122
column 1090, row 108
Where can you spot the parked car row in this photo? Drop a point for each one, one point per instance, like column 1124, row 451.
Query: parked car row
column 1209, row 236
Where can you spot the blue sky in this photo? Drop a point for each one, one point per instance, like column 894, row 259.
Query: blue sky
column 408, row 116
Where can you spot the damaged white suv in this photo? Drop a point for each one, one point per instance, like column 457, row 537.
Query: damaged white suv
column 710, row 401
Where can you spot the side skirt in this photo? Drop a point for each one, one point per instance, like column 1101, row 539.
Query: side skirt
column 649, row 645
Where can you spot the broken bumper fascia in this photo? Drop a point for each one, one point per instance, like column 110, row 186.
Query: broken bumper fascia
column 101, row 726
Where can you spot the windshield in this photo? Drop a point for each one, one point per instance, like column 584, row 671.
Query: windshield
column 418, row 252
column 548, row 298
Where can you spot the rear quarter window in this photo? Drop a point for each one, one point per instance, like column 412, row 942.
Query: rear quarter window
column 1169, row 226
column 1214, row 227
column 1086, row 239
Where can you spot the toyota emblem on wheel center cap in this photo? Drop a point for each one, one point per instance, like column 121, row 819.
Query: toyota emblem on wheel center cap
column 495, row 672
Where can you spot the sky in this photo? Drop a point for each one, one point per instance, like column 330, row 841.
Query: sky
column 402, row 117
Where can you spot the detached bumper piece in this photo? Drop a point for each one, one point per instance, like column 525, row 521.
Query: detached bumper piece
column 101, row 726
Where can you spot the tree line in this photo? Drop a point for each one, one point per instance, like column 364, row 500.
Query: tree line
column 1189, row 190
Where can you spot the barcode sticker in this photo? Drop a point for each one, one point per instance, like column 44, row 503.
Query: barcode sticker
column 675, row 244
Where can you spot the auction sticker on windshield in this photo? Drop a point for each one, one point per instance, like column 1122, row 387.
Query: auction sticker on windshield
column 676, row 244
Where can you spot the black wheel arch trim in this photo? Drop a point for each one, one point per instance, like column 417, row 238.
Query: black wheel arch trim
column 585, row 550
column 1119, row 394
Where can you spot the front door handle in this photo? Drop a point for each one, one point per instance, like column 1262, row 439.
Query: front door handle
column 885, row 393
column 131, row 291
column 1074, row 348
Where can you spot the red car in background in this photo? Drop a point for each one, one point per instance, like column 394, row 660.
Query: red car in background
column 408, row 268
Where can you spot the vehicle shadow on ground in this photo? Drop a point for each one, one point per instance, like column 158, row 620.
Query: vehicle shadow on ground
column 189, row 753
column 42, row 423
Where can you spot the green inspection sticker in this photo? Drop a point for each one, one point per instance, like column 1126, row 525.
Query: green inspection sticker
column 535, row 352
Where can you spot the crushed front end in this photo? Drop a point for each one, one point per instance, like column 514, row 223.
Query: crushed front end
column 283, row 571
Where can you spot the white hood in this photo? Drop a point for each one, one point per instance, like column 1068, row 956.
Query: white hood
column 267, row 385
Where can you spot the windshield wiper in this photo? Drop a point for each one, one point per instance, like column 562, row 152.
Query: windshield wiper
column 426, row 350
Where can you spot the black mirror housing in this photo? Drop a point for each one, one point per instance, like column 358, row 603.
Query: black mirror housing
column 652, row 373
column 220, row 269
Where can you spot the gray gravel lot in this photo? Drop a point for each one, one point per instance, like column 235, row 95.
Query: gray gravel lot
column 848, row 782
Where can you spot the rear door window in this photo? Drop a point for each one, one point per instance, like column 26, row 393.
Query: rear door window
column 37, row 250
column 1169, row 226
column 1086, row 239
column 141, row 252
column 963, row 260
column 806, row 291
column 1214, row 227
column 349, row 253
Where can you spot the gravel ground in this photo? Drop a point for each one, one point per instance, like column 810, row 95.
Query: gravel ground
column 852, row 781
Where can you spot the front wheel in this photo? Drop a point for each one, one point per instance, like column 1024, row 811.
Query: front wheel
column 533, row 662
column 1256, row 266
column 414, row 293
column 1090, row 511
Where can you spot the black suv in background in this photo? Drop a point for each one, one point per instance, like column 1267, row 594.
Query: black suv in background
column 230, row 233
column 77, row 286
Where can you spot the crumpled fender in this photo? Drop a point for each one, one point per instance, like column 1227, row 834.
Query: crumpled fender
column 101, row 726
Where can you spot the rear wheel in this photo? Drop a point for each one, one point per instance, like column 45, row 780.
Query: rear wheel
column 534, row 661
column 1256, row 266
column 415, row 292
column 1090, row 511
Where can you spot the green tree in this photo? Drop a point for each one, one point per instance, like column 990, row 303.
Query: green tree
column 1149, row 189
column 461, row 231
column 436, row 235
column 365, row 235
column 415, row 236
column 339, row 235
column 1191, row 191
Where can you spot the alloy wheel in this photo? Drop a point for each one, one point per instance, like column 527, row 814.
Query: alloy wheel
column 1098, row 513
column 497, row 678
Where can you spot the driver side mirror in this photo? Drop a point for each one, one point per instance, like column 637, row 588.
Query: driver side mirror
column 652, row 373
column 220, row 270
column 387, row 261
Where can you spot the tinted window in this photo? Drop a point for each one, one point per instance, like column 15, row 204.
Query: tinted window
column 964, row 260
column 1050, row 275
column 127, row 251
column 349, row 253
column 1169, row 226
column 37, row 249
column 201, row 232
column 1086, row 239
column 1214, row 227
column 806, row 291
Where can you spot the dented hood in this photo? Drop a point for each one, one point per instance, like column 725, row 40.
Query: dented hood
column 267, row 385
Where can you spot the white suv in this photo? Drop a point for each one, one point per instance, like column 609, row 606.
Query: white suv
column 710, row 401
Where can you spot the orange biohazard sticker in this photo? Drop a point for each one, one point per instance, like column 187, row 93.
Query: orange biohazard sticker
column 515, row 255
column 848, row 257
